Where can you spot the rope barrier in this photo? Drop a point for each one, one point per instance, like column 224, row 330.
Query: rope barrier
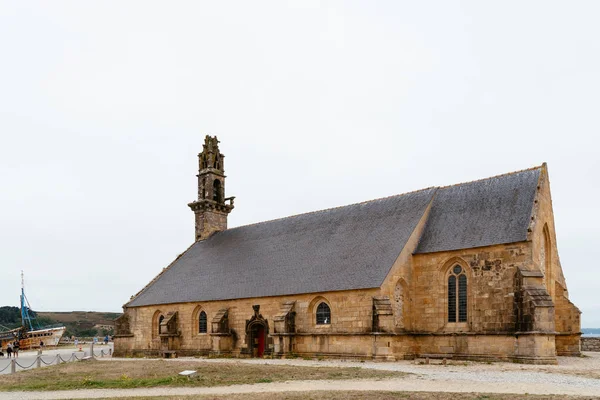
column 50, row 363
column 5, row 368
column 56, row 358
column 22, row 367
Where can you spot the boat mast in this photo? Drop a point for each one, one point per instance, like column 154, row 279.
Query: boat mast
column 25, row 317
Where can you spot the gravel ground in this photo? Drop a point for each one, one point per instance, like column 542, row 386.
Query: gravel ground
column 573, row 376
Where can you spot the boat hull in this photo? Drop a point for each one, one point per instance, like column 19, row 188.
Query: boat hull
column 50, row 337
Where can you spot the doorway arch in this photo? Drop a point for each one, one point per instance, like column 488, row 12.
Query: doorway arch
column 257, row 334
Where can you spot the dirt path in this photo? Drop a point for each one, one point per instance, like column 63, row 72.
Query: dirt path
column 573, row 376
column 410, row 384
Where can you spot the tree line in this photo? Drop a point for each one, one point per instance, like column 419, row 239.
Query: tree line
column 10, row 317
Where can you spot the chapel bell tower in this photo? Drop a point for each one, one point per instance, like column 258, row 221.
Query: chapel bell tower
column 211, row 208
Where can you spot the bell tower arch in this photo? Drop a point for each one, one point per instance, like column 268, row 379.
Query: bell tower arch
column 212, row 207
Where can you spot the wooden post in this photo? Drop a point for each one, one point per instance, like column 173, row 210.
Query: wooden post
column 38, row 361
column 13, row 366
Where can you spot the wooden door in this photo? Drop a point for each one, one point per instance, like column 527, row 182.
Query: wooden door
column 261, row 341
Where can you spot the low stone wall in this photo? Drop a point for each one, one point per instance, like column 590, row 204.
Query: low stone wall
column 590, row 344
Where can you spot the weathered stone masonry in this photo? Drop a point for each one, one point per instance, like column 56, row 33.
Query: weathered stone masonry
column 590, row 344
column 512, row 299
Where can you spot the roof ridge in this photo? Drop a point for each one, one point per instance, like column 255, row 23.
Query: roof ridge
column 330, row 208
column 494, row 176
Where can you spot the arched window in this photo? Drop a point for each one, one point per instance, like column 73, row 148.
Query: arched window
column 323, row 314
column 217, row 191
column 457, row 295
column 160, row 320
column 202, row 325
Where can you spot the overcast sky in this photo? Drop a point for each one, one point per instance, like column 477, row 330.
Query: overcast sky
column 104, row 106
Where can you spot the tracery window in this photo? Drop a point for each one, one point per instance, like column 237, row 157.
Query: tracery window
column 323, row 314
column 457, row 295
column 202, row 324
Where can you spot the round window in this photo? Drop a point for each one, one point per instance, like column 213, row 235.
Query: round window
column 457, row 269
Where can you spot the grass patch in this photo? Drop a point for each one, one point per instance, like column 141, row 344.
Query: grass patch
column 354, row 395
column 152, row 373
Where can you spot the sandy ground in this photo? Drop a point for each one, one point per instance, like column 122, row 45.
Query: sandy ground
column 573, row 376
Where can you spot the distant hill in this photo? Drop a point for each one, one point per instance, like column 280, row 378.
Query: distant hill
column 78, row 323
column 84, row 317
column 82, row 323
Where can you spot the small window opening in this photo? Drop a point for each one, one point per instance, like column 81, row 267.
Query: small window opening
column 323, row 314
column 202, row 325
column 217, row 191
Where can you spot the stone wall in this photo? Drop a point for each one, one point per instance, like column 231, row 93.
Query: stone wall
column 568, row 323
column 490, row 332
column 546, row 259
column 351, row 314
column 350, row 334
column 398, row 284
column 209, row 222
column 491, row 288
column 590, row 343
column 568, row 317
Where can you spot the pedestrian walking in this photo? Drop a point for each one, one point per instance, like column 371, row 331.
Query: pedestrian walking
column 9, row 350
column 16, row 348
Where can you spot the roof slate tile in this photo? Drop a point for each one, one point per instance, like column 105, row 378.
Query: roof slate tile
column 344, row 248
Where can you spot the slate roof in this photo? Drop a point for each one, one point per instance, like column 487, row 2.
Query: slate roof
column 351, row 247
column 481, row 213
column 344, row 248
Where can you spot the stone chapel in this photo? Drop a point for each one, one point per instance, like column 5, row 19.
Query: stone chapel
column 467, row 271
